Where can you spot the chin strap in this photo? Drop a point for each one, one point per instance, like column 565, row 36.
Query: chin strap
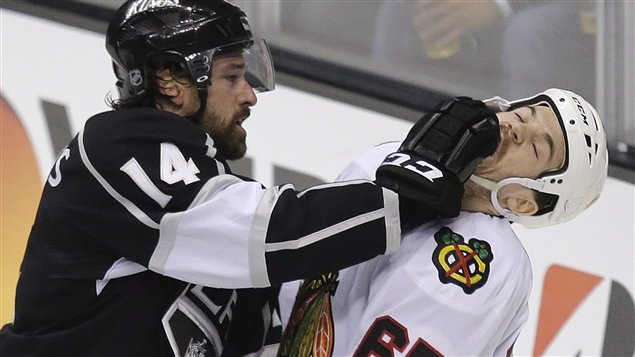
column 483, row 182
column 493, row 187
column 196, row 117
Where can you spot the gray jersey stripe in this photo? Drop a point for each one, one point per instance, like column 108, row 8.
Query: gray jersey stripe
column 327, row 232
column 257, row 261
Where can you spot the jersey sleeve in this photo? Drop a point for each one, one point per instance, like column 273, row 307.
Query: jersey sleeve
column 364, row 167
column 151, row 188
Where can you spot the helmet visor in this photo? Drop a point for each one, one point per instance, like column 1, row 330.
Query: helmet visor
column 259, row 71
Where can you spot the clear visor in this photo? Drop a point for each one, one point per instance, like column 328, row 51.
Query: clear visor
column 260, row 74
column 259, row 71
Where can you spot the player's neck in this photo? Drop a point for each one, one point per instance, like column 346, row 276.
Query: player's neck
column 477, row 199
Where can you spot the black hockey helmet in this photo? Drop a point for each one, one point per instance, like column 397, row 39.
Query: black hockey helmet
column 190, row 31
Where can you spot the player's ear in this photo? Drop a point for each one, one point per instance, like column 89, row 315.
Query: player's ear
column 518, row 199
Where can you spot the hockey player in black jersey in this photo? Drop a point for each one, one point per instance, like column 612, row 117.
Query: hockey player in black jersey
column 146, row 244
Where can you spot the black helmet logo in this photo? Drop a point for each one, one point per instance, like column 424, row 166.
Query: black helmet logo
column 135, row 77
column 143, row 5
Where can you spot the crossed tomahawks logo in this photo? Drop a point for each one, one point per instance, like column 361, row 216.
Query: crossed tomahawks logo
column 463, row 264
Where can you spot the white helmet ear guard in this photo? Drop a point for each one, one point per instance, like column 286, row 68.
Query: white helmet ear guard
column 579, row 182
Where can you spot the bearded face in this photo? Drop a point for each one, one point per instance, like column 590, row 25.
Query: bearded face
column 228, row 134
column 228, row 101
column 226, row 107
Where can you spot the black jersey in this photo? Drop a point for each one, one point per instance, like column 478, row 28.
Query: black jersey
column 145, row 244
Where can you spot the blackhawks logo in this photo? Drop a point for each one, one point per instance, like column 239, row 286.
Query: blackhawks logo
column 310, row 329
column 460, row 263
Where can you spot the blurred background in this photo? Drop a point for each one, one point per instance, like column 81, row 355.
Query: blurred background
column 481, row 48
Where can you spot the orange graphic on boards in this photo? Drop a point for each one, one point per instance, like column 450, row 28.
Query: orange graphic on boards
column 559, row 301
column 20, row 190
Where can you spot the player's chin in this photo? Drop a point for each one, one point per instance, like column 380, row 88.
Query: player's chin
column 235, row 150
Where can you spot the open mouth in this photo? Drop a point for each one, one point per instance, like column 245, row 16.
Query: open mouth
column 241, row 117
column 239, row 125
column 241, row 120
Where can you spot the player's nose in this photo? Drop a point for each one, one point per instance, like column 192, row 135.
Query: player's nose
column 248, row 95
column 517, row 132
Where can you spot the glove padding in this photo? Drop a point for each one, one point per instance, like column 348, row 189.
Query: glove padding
column 439, row 154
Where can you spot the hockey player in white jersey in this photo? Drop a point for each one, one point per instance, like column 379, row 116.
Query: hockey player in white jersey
column 460, row 286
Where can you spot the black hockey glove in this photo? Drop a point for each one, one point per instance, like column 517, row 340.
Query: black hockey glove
column 439, row 154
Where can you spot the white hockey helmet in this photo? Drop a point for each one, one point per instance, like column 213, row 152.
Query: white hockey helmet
column 579, row 182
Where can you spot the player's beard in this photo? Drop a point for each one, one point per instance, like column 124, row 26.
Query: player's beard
column 229, row 140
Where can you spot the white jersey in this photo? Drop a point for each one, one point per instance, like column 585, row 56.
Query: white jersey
column 456, row 287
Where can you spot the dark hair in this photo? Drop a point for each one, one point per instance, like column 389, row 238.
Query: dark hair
column 147, row 99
